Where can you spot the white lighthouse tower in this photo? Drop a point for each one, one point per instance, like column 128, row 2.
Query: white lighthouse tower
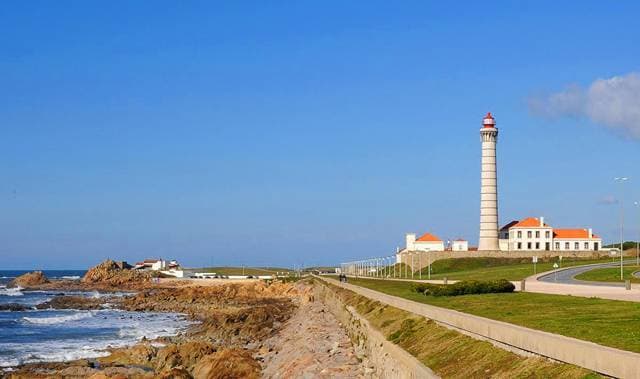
column 489, row 186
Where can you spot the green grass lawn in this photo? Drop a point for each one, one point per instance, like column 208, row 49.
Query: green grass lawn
column 247, row 270
column 610, row 274
column 606, row 322
column 487, row 268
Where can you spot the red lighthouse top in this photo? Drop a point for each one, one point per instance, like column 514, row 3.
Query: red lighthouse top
column 488, row 121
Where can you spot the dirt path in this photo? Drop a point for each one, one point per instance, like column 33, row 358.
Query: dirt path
column 312, row 344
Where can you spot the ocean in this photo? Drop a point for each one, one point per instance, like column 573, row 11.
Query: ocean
column 53, row 335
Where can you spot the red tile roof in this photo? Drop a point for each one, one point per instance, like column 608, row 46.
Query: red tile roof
column 529, row 222
column 572, row 234
column 428, row 237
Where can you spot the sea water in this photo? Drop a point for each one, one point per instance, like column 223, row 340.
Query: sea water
column 54, row 335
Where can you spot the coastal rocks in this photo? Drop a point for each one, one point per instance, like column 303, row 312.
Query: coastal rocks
column 30, row 279
column 228, row 363
column 110, row 273
column 13, row 307
column 185, row 354
column 233, row 320
column 137, row 355
column 72, row 302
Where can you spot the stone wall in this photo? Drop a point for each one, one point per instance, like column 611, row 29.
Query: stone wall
column 422, row 259
column 385, row 358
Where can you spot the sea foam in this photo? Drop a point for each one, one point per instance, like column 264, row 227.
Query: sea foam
column 16, row 291
column 58, row 319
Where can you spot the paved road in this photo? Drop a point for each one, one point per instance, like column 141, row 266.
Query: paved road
column 566, row 276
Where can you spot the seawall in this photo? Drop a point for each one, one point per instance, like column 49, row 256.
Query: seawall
column 387, row 359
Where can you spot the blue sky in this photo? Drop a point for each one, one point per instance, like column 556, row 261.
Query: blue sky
column 282, row 133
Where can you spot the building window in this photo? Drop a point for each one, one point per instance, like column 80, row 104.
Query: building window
column 529, row 234
column 595, row 246
column 586, row 245
column 529, row 245
column 547, row 234
column 537, row 234
column 519, row 234
column 566, row 245
column 519, row 245
column 557, row 245
column 537, row 245
column 577, row 245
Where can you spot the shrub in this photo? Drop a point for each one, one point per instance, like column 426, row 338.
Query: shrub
column 465, row 287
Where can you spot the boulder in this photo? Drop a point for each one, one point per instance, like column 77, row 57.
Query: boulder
column 111, row 273
column 14, row 307
column 229, row 363
column 29, row 279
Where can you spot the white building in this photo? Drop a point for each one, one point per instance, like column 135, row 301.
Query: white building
column 156, row 265
column 426, row 242
column 533, row 234
column 460, row 245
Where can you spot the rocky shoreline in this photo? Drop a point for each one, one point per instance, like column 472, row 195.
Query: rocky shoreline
column 233, row 321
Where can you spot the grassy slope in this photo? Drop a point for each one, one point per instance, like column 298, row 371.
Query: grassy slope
column 449, row 353
column 488, row 268
column 247, row 270
column 610, row 274
column 606, row 322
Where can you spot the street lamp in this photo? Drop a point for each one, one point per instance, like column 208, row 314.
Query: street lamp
column 621, row 180
column 637, row 204
column 412, row 265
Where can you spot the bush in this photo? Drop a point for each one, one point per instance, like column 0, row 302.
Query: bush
column 465, row 287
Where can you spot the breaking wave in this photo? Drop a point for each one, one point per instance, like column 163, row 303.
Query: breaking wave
column 16, row 291
column 58, row 319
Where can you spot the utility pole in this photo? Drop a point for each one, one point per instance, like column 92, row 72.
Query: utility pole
column 621, row 180
column 637, row 204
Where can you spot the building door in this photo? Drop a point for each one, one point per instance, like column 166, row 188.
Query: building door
column 547, row 246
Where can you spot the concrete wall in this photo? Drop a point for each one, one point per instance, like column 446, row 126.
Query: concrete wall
column 605, row 360
column 387, row 359
column 422, row 259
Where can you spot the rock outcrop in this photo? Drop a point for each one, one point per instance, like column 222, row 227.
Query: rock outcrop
column 228, row 363
column 72, row 302
column 29, row 279
column 111, row 274
column 13, row 307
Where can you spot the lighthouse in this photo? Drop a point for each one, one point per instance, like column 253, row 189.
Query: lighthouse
column 488, row 186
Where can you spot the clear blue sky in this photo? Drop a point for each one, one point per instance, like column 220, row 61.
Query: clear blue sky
column 281, row 133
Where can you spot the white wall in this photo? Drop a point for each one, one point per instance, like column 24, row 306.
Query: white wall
column 410, row 239
column 460, row 246
column 530, row 238
column 428, row 246
column 590, row 244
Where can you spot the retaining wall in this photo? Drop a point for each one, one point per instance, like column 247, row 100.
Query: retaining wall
column 387, row 359
column 421, row 259
column 605, row 360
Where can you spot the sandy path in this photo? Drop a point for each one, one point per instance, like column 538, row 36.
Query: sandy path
column 312, row 344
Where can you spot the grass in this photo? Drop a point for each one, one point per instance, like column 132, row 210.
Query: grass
column 483, row 268
column 451, row 354
column 246, row 270
column 606, row 322
column 610, row 274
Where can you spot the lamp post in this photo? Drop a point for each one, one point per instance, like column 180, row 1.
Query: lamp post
column 637, row 204
column 621, row 180
column 420, row 264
